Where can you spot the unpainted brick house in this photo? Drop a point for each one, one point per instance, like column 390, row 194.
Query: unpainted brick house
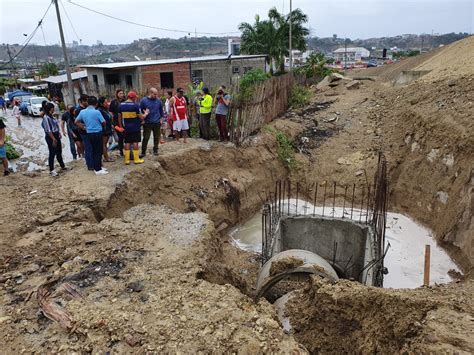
column 167, row 74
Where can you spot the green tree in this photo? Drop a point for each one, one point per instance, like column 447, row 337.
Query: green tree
column 271, row 36
column 48, row 69
column 315, row 65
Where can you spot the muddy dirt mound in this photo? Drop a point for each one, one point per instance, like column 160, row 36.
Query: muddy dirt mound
column 138, row 290
column 452, row 61
column 428, row 136
column 390, row 72
column 373, row 320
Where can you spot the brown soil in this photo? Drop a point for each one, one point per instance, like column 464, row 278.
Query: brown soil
column 374, row 320
column 290, row 262
column 146, row 245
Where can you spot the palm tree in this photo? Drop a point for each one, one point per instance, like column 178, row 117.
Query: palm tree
column 271, row 36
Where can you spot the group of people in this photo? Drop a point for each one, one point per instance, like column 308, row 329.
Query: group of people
column 95, row 124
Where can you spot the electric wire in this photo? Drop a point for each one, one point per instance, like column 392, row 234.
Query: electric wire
column 70, row 22
column 149, row 26
column 30, row 37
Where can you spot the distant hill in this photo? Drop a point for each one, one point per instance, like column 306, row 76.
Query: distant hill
column 160, row 48
column 403, row 42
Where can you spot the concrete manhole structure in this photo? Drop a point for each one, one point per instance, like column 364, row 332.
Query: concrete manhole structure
column 299, row 240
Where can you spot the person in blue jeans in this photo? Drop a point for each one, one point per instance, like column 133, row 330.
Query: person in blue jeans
column 93, row 123
column 53, row 138
column 85, row 141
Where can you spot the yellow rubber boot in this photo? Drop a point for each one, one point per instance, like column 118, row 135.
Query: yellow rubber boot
column 136, row 157
column 126, row 155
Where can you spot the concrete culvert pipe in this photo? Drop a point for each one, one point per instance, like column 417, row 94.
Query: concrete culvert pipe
column 292, row 262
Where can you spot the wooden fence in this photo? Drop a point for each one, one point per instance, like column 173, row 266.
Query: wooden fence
column 269, row 101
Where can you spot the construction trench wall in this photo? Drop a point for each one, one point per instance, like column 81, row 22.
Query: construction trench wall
column 349, row 244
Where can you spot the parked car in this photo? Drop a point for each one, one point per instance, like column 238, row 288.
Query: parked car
column 372, row 63
column 24, row 108
column 34, row 105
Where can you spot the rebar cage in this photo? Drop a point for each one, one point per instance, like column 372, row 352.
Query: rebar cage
column 364, row 203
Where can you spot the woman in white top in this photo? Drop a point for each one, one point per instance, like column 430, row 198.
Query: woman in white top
column 16, row 112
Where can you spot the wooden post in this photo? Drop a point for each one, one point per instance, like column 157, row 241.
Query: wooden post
column 426, row 276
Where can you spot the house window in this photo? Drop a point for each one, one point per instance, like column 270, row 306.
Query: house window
column 112, row 79
column 166, row 80
column 128, row 81
column 95, row 79
column 247, row 69
column 235, row 70
column 196, row 76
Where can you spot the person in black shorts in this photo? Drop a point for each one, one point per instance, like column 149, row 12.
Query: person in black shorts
column 131, row 118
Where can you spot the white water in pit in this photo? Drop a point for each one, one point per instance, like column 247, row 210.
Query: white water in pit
column 404, row 259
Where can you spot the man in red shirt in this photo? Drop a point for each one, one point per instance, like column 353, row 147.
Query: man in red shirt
column 179, row 115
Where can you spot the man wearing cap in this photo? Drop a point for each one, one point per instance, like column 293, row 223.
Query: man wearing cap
column 179, row 115
column 153, row 121
column 131, row 119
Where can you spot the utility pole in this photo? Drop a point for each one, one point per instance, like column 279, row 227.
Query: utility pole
column 12, row 65
column 291, row 29
column 66, row 60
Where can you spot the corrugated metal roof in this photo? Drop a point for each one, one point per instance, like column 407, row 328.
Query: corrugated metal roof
column 139, row 63
column 63, row 78
column 350, row 49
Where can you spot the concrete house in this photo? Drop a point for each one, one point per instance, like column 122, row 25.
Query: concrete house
column 172, row 73
column 350, row 55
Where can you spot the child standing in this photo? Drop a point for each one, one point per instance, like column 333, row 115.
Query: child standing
column 16, row 112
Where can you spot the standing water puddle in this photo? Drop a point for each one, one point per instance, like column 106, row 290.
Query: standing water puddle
column 404, row 259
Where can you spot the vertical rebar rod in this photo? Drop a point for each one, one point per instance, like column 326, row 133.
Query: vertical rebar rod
column 352, row 203
column 283, row 197
column 263, row 237
column 279, row 197
column 306, row 199
column 289, row 195
column 324, row 196
column 344, row 202
column 315, row 198
column 334, row 200
column 297, row 196
column 361, row 203
column 368, row 203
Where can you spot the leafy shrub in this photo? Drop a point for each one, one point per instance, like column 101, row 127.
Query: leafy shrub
column 299, row 97
column 315, row 65
column 285, row 150
column 12, row 153
column 248, row 81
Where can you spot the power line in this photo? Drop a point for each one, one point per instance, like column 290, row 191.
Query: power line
column 30, row 37
column 148, row 26
column 70, row 22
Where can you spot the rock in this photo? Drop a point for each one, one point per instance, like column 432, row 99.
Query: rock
column 351, row 159
column 415, row 146
column 336, row 77
column 432, row 155
column 131, row 340
column 5, row 319
column 448, row 160
column 359, row 172
column 353, row 85
column 136, row 286
column 442, row 197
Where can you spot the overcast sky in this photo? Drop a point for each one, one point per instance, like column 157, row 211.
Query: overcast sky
column 346, row 18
